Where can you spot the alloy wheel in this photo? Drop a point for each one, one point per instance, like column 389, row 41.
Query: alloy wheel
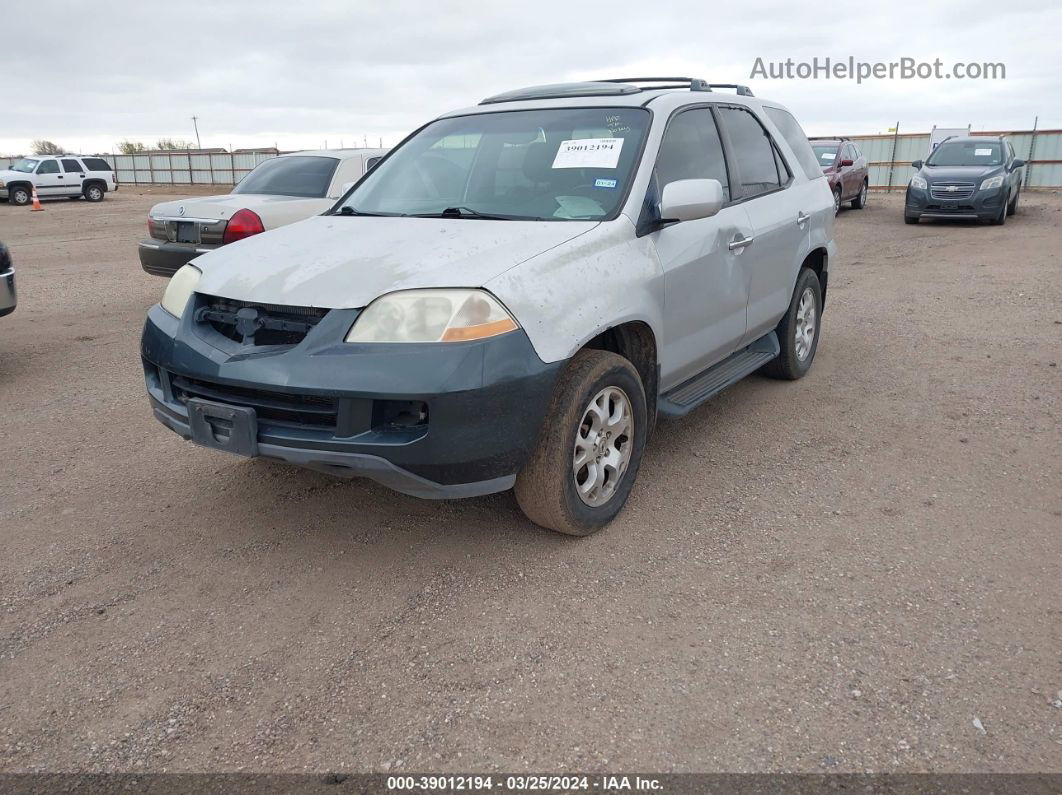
column 804, row 333
column 604, row 441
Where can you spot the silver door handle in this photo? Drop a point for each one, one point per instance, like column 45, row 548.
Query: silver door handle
column 735, row 245
column 802, row 218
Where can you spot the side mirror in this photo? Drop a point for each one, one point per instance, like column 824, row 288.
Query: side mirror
column 690, row 199
column 1018, row 163
column 916, row 164
column 847, row 162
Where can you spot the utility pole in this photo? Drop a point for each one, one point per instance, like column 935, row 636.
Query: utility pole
column 195, row 123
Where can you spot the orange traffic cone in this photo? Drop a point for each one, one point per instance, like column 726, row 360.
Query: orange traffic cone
column 36, row 201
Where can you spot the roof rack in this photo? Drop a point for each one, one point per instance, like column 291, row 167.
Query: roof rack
column 692, row 83
column 829, row 138
column 611, row 87
column 741, row 91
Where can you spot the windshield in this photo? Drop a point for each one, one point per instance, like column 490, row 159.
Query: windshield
column 826, row 154
column 556, row 165
column 25, row 165
column 967, row 153
column 305, row 176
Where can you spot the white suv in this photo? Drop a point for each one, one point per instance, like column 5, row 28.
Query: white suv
column 67, row 176
column 512, row 297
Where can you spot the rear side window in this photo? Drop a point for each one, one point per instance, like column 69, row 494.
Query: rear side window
column 798, row 142
column 71, row 166
column 306, row 176
column 48, row 167
column 754, row 153
column 691, row 149
column 97, row 164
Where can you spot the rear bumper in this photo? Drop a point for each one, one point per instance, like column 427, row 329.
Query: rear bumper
column 982, row 206
column 7, row 293
column 483, row 402
column 164, row 259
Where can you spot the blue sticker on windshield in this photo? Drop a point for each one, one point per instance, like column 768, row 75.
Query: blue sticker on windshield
column 605, row 183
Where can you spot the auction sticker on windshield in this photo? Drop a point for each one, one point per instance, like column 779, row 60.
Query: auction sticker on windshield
column 588, row 153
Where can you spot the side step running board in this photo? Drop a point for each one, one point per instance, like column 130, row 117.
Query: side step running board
column 685, row 397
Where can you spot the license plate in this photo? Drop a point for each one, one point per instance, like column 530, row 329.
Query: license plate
column 233, row 429
column 187, row 232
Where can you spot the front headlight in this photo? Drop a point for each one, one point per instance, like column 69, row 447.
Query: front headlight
column 450, row 315
column 180, row 289
column 918, row 182
column 992, row 182
column 1, row 183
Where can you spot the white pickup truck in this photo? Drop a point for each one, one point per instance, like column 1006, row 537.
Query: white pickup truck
column 277, row 192
column 54, row 176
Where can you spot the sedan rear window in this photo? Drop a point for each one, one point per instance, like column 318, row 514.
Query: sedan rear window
column 306, row 176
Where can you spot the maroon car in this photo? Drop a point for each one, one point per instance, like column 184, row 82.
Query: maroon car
column 845, row 168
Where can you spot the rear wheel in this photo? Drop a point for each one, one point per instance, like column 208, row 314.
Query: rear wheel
column 579, row 476
column 19, row 195
column 860, row 201
column 798, row 330
column 93, row 192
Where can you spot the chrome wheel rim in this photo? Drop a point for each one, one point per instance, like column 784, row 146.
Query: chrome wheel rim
column 603, row 444
column 21, row 197
column 804, row 335
column 94, row 193
column 836, row 202
column 863, row 195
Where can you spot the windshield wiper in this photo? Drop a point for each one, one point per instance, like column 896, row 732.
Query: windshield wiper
column 346, row 209
column 463, row 212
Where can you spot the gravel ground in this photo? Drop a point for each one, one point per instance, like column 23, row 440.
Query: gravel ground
column 856, row 571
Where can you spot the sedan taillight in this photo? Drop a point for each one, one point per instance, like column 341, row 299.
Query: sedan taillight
column 244, row 223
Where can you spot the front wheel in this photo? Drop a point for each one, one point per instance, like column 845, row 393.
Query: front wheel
column 860, row 201
column 579, row 476
column 1013, row 206
column 837, row 200
column 19, row 196
column 798, row 330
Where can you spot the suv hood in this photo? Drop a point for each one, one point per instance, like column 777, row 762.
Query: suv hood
column 958, row 173
column 7, row 174
column 223, row 207
column 345, row 262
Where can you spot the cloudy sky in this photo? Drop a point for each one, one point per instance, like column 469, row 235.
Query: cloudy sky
column 89, row 74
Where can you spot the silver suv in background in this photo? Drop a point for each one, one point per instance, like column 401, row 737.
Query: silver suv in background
column 512, row 297
column 57, row 176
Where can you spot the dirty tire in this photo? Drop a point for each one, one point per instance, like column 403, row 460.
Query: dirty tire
column 1000, row 219
column 93, row 192
column 19, row 196
column 546, row 488
column 1013, row 206
column 788, row 365
column 860, row 201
